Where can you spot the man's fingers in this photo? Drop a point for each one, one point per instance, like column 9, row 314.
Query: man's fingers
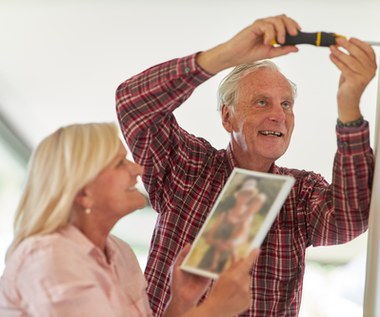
column 275, row 28
column 358, row 57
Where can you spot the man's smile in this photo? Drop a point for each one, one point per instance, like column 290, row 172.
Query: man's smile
column 271, row 133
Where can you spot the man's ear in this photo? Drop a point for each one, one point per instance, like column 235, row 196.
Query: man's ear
column 226, row 117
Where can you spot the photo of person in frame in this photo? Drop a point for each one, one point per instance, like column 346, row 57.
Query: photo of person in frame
column 238, row 216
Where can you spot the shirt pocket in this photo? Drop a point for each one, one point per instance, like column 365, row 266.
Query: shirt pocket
column 68, row 290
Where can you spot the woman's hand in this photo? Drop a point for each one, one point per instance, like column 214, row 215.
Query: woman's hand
column 186, row 288
column 230, row 294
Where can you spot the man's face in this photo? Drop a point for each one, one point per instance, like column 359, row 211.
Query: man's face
column 262, row 121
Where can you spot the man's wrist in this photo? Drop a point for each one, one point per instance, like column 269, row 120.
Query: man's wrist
column 351, row 124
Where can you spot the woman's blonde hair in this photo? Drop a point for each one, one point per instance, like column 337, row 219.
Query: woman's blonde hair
column 61, row 165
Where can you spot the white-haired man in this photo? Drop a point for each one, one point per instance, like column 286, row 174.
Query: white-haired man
column 184, row 174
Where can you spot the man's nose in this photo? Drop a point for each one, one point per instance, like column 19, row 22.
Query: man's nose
column 277, row 113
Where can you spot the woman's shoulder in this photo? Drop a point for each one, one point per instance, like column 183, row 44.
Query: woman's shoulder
column 45, row 250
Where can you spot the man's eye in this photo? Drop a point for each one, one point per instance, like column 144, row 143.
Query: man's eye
column 262, row 103
column 286, row 105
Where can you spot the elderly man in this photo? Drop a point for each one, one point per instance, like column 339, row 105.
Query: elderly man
column 184, row 174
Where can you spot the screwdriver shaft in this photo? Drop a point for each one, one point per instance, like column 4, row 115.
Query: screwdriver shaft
column 373, row 43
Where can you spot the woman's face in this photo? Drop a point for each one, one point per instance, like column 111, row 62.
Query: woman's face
column 113, row 192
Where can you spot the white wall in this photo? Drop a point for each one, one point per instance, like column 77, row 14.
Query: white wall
column 61, row 61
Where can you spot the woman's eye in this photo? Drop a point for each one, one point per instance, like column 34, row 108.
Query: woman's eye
column 121, row 162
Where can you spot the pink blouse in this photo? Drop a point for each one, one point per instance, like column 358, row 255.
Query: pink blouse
column 64, row 274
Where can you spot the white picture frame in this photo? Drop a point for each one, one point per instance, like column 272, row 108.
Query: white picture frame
column 238, row 222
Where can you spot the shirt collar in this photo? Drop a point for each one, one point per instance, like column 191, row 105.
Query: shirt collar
column 85, row 245
column 232, row 161
column 230, row 157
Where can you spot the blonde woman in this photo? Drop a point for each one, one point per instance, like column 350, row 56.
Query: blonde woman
column 64, row 261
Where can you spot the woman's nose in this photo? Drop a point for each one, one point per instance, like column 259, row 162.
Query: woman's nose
column 135, row 169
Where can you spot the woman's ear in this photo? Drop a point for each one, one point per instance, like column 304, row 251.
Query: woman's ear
column 82, row 198
column 226, row 117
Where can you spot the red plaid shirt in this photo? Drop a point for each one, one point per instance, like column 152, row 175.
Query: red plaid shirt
column 184, row 174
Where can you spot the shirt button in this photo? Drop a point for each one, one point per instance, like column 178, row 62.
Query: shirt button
column 187, row 70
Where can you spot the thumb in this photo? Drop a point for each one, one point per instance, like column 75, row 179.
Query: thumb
column 182, row 254
column 245, row 265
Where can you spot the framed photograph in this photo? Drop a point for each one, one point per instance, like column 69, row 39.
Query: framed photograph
column 238, row 222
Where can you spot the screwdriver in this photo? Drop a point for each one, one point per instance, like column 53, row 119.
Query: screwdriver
column 314, row 38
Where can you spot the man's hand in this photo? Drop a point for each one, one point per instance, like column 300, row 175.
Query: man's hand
column 357, row 63
column 251, row 44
